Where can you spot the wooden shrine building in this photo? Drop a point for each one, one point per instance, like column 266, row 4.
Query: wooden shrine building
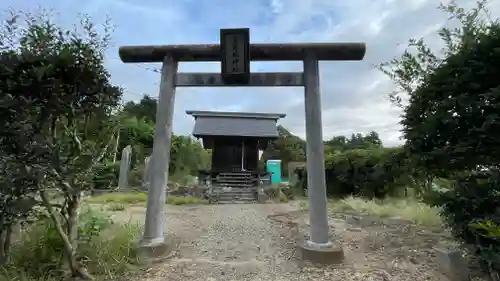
column 235, row 140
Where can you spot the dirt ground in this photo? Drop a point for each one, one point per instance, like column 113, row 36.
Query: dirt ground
column 240, row 242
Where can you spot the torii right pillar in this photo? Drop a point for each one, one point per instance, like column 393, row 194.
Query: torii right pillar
column 319, row 247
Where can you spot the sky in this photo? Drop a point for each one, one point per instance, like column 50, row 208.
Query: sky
column 354, row 93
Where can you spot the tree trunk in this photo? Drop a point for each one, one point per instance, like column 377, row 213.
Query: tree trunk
column 73, row 214
column 69, row 237
column 115, row 152
column 5, row 243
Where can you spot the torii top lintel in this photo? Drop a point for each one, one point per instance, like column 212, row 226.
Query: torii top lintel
column 258, row 52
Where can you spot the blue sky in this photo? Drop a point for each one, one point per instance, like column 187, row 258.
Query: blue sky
column 354, row 95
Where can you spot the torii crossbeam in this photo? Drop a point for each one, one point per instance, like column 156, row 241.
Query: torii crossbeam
column 235, row 53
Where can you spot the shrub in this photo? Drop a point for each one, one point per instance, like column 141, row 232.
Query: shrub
column 136, row 176
column 106, row 175
column 372, row 173
column 39, row 255
column 472, row 211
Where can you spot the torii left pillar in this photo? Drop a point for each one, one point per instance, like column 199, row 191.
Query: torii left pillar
column 318, row 247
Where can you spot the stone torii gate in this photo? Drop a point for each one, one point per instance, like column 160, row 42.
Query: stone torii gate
column 235, row 52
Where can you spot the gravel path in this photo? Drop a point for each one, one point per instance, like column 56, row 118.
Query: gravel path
column 225, row 242
column 239, row 242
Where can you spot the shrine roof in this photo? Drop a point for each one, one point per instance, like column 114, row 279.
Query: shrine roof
column 235, row 124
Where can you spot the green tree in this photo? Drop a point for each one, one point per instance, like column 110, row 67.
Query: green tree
column 288, row 148
column 187, row 156
column 56, row 109
column 144, row 109
column 455, row 123
column 451, row 122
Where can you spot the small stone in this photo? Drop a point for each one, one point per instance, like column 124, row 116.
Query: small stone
column 452, row 264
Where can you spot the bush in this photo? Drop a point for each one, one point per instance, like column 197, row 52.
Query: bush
column 135, row 178
column 472, row 211
column 106, row 175
column 39, row 254
column 372, row 173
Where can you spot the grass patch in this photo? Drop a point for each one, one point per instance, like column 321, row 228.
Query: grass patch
column 418, row 212
column 120, row 198
column 184, row 200
column 283, row 198
column 105, row 248
column 116, row 207
column 118, row 201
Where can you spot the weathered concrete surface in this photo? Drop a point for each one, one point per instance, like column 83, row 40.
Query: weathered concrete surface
column 453, row 265
column 160, row 158
column 333, row 254
column 316, row 192
column 258, row 52
column 262, row 79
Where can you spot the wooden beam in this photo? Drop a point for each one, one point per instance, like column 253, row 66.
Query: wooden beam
column 263, row 79
column 258, row 52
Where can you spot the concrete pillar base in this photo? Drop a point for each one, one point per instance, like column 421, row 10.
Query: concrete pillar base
column 328, row 253
column 157, row 247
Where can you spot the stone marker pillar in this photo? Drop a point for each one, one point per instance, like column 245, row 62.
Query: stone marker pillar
column 124, row 167
column 316, row 184
column 160, row 159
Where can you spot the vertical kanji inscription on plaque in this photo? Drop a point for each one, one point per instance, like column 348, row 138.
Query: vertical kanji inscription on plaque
column 235, row 59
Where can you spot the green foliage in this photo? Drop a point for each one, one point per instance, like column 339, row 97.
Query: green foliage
column 56, row 104
column 139, row 134
column 290, row 148
column 287, row 148
column 356, row 141
column 145, row 109
column 56, row 100
column 372, row 173
column 106, row 175
column 471, row 210
column 452, row 121
column 187, row 156
column 39, row 255
column 120, row 197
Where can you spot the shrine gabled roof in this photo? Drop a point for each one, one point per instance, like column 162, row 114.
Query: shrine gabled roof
column 241, row 124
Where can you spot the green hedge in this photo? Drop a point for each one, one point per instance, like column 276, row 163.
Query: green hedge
column 472, row 211
column 372, row 173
